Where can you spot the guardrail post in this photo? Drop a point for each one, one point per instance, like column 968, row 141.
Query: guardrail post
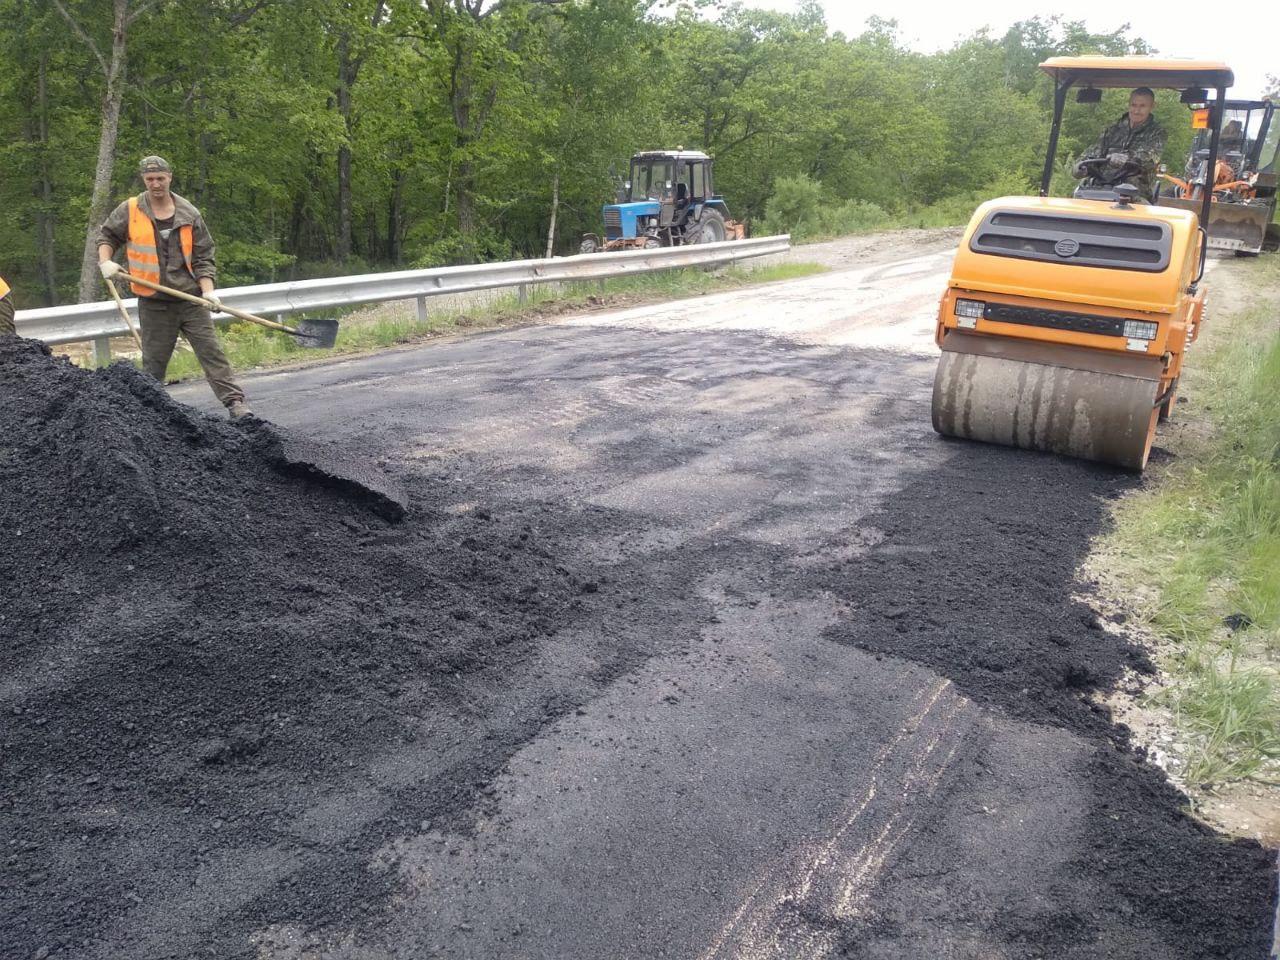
column 422, row 310
column 522, row 294
column 101, row 352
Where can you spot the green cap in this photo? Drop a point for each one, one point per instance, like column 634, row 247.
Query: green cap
column 154, row 165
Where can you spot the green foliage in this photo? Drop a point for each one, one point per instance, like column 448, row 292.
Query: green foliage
column 800, row 207
column 324, row 137
column 241, row 263
column 1234, row 711
column 954, row 211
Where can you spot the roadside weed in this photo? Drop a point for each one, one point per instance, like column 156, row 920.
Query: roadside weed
column 1203, row 541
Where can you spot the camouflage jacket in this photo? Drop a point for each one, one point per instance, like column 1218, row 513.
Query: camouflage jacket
column 1143, row 145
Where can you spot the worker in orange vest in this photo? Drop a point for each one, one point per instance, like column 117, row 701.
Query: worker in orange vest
column 166, row 241
column 6, row 310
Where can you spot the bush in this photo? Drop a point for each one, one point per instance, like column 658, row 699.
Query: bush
column 799, row 206
column 241, row 263
column 955, row 211
column 452, row 249
column 793, row 207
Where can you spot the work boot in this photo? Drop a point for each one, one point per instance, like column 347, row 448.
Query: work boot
column 238, row 409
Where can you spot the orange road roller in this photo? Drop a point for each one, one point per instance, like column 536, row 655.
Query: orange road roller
column 1065, row 322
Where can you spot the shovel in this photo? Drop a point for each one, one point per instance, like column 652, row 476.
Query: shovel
column 128, row 321
column 312, row 333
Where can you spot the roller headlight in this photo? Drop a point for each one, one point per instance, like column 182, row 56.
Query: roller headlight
column 1141, row 329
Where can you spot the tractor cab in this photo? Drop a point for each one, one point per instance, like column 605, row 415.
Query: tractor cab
column 667, row 200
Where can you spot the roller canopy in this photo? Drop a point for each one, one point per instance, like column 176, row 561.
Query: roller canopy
column 1138, row 72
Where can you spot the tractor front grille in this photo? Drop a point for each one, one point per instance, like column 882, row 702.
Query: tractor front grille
column 1075, row 240
column 612, row 223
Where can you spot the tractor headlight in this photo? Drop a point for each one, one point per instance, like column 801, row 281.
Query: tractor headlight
column 1141, row 329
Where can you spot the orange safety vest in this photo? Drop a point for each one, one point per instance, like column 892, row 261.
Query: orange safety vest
column 4, row 288
column 141, row 250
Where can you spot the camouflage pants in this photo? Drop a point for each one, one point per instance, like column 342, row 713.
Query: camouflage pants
column 161, row 322
column 6, row 315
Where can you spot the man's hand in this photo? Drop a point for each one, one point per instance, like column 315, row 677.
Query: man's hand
column 1117, row 159
column 214, row 303
column 1080, row 170
column 109, row 268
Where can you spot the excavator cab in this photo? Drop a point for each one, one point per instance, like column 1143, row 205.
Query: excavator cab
column 1065, row 320
column 1243, row 176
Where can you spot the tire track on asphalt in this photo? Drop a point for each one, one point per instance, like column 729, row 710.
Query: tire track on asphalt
column 792, row 911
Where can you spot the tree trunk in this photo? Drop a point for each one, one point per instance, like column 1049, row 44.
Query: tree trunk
column 346, row 77
column 555, row 207
column 109, row 132
column 395, row 217
column 372, row 239
column 463, row 186
column 46, row 220
column 295, row 231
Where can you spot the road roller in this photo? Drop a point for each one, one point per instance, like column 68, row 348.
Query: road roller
column 1066, row 319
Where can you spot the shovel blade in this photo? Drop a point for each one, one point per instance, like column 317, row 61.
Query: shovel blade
column 316, row 334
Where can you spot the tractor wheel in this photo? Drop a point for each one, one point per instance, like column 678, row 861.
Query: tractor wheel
column 709, row 228
column 588, row 245
column 652, row 243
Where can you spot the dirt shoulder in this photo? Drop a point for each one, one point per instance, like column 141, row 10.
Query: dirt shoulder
column 848, row 253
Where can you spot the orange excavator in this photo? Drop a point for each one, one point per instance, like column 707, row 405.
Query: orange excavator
column 1065, row 321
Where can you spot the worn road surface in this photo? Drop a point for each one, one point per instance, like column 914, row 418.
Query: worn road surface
column 833, row 694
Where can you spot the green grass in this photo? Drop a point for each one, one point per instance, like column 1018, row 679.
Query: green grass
column 1204, row 540
column 249, row 346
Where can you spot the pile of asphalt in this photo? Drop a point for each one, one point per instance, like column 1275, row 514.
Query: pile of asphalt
column 210, row 631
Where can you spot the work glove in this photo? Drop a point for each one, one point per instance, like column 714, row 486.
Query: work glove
column 109, row 268
column 1080, row 170
column 1117, row 159
column 214, row 303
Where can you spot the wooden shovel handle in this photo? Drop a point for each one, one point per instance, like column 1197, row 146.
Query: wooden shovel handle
column 128, row 321
column 241, row 314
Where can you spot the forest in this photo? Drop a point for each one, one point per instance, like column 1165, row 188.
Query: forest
column 324, row 137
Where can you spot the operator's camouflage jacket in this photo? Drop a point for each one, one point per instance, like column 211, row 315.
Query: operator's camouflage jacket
column 1143, row 145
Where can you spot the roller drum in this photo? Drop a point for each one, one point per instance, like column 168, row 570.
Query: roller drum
column 1044, row 396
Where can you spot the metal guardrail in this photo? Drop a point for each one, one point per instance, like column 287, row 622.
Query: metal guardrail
column 79, row 322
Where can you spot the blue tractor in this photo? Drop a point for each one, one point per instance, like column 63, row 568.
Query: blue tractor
column 667, row 201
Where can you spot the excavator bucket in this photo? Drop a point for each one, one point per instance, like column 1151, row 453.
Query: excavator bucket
column 1240, row 225
column 1047, row 396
